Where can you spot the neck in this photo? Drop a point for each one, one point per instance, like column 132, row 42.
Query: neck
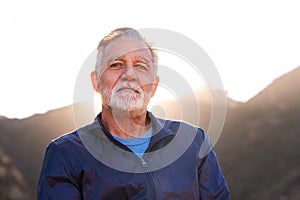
column 125, row 125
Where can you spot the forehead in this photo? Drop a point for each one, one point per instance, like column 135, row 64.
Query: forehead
column 126, row 47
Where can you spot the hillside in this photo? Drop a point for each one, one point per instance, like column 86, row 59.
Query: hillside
column 259, row 147
column 12, row 184
column 258, row 150
column 25, row 140
column 282, row 92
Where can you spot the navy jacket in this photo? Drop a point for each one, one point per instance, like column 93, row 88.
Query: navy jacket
column 90, row 164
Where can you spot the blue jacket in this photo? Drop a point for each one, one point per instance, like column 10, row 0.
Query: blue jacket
column 90, row 164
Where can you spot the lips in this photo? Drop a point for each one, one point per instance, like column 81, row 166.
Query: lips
column 128, row 88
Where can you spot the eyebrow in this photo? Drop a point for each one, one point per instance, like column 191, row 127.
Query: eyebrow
column 139, row 58
column 113, row 58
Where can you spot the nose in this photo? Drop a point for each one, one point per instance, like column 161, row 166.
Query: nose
column 129, row 72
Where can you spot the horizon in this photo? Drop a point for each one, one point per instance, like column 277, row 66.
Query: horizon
column 250, row 43
column 153, row 102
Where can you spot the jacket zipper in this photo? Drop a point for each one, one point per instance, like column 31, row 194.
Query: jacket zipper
column 145, row 165
column 151, row 178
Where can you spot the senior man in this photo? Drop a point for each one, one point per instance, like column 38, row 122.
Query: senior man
column 128, row 153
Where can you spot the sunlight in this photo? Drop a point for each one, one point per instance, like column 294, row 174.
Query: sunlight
column 176, row 64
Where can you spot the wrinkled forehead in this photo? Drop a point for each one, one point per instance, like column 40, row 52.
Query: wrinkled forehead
column 126, row 48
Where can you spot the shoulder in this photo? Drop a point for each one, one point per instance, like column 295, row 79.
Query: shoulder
column 70, row 142
column 177, row 127
column 174, row 126
column 72, row 138
column 200, row 139
column 65, row 144
column 66, row 138
column 184, row 127
column 190, row 132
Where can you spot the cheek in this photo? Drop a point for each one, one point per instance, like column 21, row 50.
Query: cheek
column 146, row 82
column 147, row 86
column 108, row 81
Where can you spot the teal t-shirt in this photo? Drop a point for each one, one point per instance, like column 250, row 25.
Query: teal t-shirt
column 138, row 145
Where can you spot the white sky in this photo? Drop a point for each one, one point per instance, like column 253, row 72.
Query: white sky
column 44, row 43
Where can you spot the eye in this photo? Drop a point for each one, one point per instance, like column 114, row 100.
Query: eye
column 142, row 66
column 116, row 65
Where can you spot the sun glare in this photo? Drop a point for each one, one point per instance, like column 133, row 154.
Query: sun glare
column 177, row 65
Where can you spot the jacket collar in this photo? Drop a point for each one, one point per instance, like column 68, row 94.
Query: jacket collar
column 160, row 132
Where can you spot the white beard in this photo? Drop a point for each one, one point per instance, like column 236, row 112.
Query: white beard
column 133, row 101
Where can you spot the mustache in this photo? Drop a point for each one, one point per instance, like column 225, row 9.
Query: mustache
column 128, row 85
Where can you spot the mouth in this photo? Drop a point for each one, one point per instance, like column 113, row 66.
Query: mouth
column 129, row 89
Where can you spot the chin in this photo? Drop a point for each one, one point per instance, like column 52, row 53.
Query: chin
column 131, row 111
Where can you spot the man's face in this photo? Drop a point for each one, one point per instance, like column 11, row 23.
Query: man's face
column 127, row 76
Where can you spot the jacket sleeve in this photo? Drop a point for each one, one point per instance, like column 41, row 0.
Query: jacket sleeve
column 212, row 184
column 56, row 179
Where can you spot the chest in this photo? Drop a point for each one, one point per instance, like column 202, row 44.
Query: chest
column 178, row 180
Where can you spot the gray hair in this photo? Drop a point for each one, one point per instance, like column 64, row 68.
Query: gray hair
column 121, row 33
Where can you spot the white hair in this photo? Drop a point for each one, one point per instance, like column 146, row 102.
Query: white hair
column 117, row 34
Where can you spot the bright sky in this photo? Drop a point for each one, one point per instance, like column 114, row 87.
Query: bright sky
column 44, row 43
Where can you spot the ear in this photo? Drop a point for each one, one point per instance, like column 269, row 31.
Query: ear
column 155, row 84
column 95, row 81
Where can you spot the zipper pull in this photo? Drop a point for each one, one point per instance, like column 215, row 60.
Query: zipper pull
column 143, row 162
